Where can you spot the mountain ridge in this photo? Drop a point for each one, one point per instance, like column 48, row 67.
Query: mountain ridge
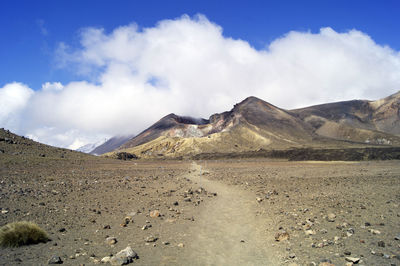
column 254, row 124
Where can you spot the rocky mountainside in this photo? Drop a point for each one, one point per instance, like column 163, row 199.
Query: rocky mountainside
column 254, row 124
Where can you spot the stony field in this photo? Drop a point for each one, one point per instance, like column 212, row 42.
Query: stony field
column 222, row 212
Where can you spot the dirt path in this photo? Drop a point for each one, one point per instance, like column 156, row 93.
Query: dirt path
column 228, row 231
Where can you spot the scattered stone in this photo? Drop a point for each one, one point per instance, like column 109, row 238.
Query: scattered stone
column 181, row 245
column 151, row 239
column 106, row 259
column 375, row 232
column 95, row 260
column 55, row 260
column 111, row 240
column 397, row 237
column 331, row 217
column 155, row 214
column 61, row 230
column 350, row 232
column 259, row 199
column 309, row 232
column 146, row 226
column 123, row 257
column 381, row 244
column 352, row 259
column 107, row 226
column 281, row 236
column 128, row 219
column 325, row 263
column 347, row 253
column 176, row 203
column 292, row 256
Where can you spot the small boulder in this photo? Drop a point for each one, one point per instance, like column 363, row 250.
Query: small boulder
column 124, row 257
column 151, row 239
column 111, row 240
column 352, row 259
column 331, row 217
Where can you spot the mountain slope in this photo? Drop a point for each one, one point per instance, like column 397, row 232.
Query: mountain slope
column 16, row 149
column 254, row 124
column 88, row 148
column 110, row 144
column 375, row 122
column 250, row 125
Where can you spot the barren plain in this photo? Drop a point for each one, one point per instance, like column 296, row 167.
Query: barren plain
column 211, row 212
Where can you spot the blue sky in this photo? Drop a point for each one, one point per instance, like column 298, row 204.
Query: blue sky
column 31, row 30
column 76, row 72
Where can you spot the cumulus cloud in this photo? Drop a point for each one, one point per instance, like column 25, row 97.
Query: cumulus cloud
column 14, row 98
column 52, row 86
column 187, row 66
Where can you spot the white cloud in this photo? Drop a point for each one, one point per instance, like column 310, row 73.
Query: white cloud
column 186, row 66
column 52, row 86
column 13, row 99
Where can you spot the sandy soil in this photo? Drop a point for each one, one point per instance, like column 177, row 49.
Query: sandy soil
column 232, row 220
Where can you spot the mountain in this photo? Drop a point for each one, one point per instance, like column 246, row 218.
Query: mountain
column 254, row 124
column 376, row 122
column 88, row 148
column 110, row 145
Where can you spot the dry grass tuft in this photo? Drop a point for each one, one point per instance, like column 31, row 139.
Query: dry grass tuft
column 21, row 233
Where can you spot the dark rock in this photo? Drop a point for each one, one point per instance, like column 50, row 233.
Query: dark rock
column 126, row 156
column 381, row 244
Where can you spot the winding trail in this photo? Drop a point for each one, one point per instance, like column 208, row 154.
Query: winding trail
column 227, row 231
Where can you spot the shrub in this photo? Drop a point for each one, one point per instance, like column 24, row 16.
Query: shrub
column 21, row 233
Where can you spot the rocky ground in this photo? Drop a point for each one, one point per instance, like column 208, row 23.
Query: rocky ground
column 333, row 212
column 94, row 207
column 222, row 212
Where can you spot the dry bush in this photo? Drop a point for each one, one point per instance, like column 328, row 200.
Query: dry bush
column 21, row 233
